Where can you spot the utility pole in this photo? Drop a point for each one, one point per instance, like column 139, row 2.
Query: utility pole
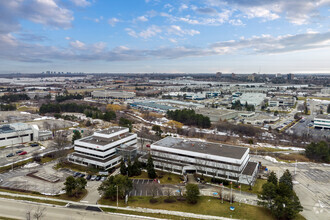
column 117, row 197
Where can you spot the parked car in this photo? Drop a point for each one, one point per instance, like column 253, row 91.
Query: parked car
column 88, row 177
column 103, row 178
column 34, row 145
column 19, row 151
column 23, row 153
column 93, row 178
column 82, row 175
column 10, row 155
column 98, row 178
column 75, row 174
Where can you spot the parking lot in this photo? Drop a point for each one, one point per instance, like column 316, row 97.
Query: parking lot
column 4, row 152
column 303, row 128
column 145, row 187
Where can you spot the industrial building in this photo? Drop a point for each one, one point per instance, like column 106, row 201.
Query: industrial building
column 110, row 94
column 104, row 149
column 152, row 106
column 322, row 121
column 281, row 102
column 18, row 133
column 251, row 98
column 183, row 156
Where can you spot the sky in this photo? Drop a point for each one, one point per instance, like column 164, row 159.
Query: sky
column 174, row 36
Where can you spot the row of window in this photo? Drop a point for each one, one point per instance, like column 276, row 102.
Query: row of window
column 12, row 137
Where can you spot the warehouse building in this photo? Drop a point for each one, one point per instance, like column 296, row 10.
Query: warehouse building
column 282, row 102
column 183, row 156
column 152, row 106
column 104, row 149
column 110, row 94
column 18, row 133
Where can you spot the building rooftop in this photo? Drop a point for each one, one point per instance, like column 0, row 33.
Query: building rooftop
column 323, row 117
column 111, row 130
column 154, row 105
column 103, row 141
column 203, row 147
column 250, row 167
column 6, row 129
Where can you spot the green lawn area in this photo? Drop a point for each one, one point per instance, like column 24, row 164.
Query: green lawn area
column 205, row 206
column 34, row 200
column 174, row 178
column 62, row 196
column 257, row 188
column 76, row 167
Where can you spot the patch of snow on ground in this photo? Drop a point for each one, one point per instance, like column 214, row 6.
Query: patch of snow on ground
column 44, row 118
column 31, row 165
column 25, row 113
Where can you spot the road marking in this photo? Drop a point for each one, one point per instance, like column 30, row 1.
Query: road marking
column 141, row 192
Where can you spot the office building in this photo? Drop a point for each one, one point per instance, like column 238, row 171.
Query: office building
column 110, row 94
column 104, row 149
column 322, row 121
column 281, row 102
column 221, row 161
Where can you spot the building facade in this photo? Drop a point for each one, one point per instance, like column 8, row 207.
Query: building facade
column 18, row 133
column 104, row 149
column 183, row 156
column 281, row 101
column 322, row 121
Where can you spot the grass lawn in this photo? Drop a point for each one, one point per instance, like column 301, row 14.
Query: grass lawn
column 154, row 215
column 291, row 158
column 62, row 196
column 205, row 206
column 22, row 163
column 34, row 200
column 76, row 167
column 257, row 188
column 174, row 178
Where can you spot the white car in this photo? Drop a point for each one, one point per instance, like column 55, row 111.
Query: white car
column 93, row 178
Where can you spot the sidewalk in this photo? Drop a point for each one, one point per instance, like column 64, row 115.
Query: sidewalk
column 144, row 210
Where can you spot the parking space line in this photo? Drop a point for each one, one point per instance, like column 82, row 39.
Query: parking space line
column 141, row 193
column 142, row 181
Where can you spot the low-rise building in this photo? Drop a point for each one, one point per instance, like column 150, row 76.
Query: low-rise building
column 18, row 133
column 183, row 156
column 110, row 94
column 322, row 121
column 104, row 149
column 281, row 101
column 152, row 106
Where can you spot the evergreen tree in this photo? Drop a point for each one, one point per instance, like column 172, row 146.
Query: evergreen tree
column 286, row 178
column 272, row 178
column 129, row 168
column 123, row 169
column 192, row 192
column 76, row 136
column 70, row 185
column 150, row 168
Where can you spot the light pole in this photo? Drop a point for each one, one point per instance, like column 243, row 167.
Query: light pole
column 117, row 197
column 240, row 192
column 231, row 192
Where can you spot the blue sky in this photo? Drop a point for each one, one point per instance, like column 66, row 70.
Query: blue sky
column 188, row 36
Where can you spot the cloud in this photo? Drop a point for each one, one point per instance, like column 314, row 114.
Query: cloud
column 183, row 7
column 81, row 3
column 142, row 18
column 12, row 48
column 267, row 44
column 150, row 32
column 297, row 12
column 45, row 12
column 113, row 21
column 206, row 10
column 177, row 30
column 77, row 44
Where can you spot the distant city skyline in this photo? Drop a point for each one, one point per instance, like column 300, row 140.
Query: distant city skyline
column 146, row 36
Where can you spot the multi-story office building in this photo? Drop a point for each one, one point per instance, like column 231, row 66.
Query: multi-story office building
column 18, row 133
column 183, row 156
column 104, row 149
column 322, row 121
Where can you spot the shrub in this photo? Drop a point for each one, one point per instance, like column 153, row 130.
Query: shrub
column 153, row 200
column 169, row 200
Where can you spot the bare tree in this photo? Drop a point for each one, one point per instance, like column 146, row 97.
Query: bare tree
column 154, row 189
column 60, row 141
column 39, row 213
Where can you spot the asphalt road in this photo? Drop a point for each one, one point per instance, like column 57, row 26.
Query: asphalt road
column 18, row 210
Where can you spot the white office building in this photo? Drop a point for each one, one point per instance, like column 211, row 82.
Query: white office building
column 282, row 101
column 221, row 161
column 322, row 121
column 104, row 149
column 18, row 133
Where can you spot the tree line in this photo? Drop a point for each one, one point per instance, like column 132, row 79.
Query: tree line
column 318, row 151
column 189, row 117
column 14, row 97
column 62, row 98
column 8, row 107
column 89, row 111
